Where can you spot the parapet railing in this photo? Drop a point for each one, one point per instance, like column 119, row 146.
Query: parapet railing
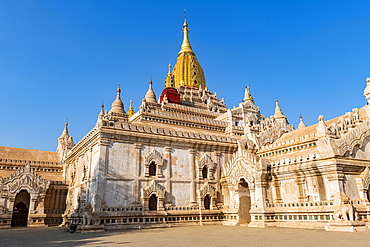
column 121, row 209
column 301, row 204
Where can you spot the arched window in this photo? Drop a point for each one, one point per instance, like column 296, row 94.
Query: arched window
column 207, row 202
column 153, row 202
column 205, row 172
column 152, row 169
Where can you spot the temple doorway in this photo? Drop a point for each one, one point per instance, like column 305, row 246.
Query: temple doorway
column 244, row 202
column 20, row 209
column 153, row 202
column 207, row 202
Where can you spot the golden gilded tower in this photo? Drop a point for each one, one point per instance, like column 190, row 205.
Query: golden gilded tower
column 187, row 70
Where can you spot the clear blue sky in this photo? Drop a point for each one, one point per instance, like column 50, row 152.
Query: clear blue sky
column 61, row 59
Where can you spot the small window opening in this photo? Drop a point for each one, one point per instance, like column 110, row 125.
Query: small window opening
column 205, row 172
column 152, row 169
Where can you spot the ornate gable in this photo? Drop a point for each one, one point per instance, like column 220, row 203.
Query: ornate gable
column 27, row 179
column 244, row 164
column 208, row 189
column 154, row 188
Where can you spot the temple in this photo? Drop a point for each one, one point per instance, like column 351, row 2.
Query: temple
column 186, row 158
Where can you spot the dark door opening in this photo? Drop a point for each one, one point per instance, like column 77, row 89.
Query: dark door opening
column 153, row 202
column 207, row 202
column 20, row 215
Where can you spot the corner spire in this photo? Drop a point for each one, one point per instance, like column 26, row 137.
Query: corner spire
column 367, row 90
column 130, row 111
column 65, row 130
column 301, row 124
column 101, row 114
column 150, row 95
column 185, row 47
column 247, row 95
column 117, row 105
column 278, row 115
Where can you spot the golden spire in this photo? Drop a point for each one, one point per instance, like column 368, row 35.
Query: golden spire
column 169, row 68
column 186, row 47
column 187, row 70
column 130, row 111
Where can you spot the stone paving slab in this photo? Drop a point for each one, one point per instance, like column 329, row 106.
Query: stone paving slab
column 218, row 236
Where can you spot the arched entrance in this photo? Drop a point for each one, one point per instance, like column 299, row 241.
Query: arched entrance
column 20, row 209
column 244, row 202
column 207, row 202
column 153, row 202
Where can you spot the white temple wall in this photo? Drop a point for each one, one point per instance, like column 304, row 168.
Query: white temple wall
column 289, row 191
column 270, row 192
column 180, row 163
column 350, row 187
column 95, row 161
column 312, row 192
column 120, row 160
column 180, row 195
column 120, row 193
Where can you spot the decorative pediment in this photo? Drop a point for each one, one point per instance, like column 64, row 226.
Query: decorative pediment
column 271, row 134
column 154, row 188
column 25, row 178
column 154, row 155
column 206, row 161
column 355, row 137
column 243, row 164
column 208, row 189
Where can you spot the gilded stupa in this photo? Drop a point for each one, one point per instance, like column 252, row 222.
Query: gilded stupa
column 187, row 70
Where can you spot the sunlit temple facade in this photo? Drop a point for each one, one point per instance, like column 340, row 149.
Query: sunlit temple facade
column 186, row 158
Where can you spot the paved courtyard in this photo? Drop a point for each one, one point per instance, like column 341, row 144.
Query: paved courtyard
column 184, row 236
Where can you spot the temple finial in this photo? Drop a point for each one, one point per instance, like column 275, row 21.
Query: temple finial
column 65, row 130
column 169, row 68
column 150, row 95
column 119, row 88
column 130, row 111
column 101, row 114
column 247, row 95
column 117, row 105
column 301, row 123
column 278, row 113
column 185, row 47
